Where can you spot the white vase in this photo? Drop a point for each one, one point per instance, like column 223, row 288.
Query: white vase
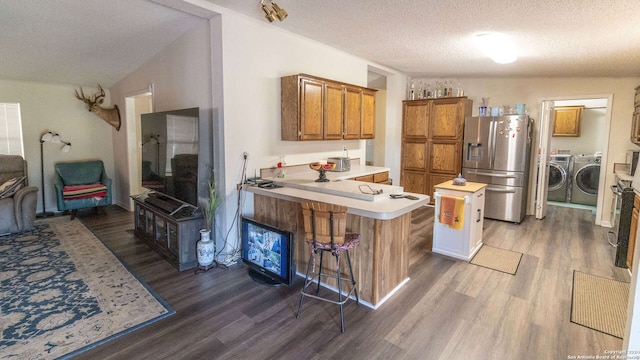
column 205, row 248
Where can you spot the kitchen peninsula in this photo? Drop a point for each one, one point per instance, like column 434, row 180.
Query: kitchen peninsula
column 381, row 260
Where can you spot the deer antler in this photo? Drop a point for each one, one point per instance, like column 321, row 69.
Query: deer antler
column 100, row 98
column 81, row 96
column 111, row 116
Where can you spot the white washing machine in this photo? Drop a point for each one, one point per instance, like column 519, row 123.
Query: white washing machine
column 586, row 179
column 559, row 177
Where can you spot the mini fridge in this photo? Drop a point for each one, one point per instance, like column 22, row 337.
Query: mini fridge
column 457, row 228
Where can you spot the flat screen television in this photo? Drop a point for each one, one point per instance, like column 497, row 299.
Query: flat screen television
column 169, row 148
column 268, row 252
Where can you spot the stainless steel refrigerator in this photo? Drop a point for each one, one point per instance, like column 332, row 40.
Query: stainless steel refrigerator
column 496, row 152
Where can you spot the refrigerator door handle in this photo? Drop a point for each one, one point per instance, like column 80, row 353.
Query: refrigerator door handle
column 490, row 188
column 506, row 176
column 492, row 141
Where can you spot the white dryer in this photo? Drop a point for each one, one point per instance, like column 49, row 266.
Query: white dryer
column 586, row 179
column 559, row 177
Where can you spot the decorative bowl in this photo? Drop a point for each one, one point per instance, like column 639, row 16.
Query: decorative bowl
column 329, row 166
column 322, row 168
column 315, row 166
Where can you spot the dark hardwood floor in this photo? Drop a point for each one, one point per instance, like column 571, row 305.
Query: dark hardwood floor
column 449, row 309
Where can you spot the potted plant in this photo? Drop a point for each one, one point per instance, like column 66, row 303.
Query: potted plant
column 206, row 245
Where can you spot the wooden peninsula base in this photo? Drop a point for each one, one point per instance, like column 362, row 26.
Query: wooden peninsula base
column 381, row 260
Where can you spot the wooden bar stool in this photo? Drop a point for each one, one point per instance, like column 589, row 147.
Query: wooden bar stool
column 325, row 231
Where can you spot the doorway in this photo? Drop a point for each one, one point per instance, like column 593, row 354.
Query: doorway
column 136, row 104
column 591, row 142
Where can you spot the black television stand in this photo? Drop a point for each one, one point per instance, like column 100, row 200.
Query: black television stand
column 173, row 235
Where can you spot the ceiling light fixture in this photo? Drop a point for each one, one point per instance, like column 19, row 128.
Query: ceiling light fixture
column 496, row 46
column 273, row 13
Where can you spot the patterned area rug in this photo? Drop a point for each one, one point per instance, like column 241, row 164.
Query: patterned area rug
column 494, row 258
column 599, row 303
column 62, row 292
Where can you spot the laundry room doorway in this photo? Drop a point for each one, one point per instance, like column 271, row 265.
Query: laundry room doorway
column 583, row 145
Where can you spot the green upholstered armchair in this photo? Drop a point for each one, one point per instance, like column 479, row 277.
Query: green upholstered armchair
column 18, row 211
column 80, row 185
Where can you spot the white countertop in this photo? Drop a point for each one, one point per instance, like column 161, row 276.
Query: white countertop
column 623, row 175
column 302, row 187
column 338, row 185
column 383, row 209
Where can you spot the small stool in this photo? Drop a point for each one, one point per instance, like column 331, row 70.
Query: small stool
column 325, row 231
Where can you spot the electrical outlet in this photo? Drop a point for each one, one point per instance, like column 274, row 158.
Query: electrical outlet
column 245, row 155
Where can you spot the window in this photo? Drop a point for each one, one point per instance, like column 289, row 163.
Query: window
column 182, row 137
column 10, row 130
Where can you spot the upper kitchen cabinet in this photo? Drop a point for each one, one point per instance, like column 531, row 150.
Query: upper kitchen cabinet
column 567, row 120
column 352, row 113
column 333, row 112
column 368, row 128
column 635, row 121
column 319, row 109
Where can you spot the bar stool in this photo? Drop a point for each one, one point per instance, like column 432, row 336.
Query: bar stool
column 325, row 231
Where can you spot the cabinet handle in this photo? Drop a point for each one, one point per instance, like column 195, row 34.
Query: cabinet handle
column 479, row 215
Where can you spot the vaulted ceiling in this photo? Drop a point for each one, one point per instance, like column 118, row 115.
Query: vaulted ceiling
column 89, row 41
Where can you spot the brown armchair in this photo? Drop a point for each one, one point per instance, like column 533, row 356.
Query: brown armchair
column 17, row 211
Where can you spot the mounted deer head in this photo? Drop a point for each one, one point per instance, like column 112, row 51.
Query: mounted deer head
column 111, row 116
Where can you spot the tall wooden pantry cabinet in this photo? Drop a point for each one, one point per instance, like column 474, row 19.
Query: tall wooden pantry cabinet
column 432, row 132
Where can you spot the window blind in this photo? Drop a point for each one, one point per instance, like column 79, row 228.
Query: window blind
column 11, row 130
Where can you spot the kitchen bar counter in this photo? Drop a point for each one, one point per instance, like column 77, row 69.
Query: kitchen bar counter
column 380, row 261
column 383, row 209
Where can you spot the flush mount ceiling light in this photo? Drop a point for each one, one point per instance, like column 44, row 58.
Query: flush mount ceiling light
column 273, row 13
column 496, row 46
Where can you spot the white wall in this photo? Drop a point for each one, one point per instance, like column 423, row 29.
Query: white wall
column 590, row 139
column 255, row 54
column 47, row 107
column 532, row 91
column 181, row 78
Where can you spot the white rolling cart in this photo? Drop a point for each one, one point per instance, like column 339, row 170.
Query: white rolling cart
column 465, row 242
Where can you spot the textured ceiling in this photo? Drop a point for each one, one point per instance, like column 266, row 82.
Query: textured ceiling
column 82, row 42
column 434, row 38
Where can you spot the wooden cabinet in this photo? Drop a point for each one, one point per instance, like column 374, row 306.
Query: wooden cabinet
column 378, row 178
column 567, row 121
column 311, row 122
column 635, row 121
column 447, row 119
column 365, row 178
column 172, row 236
column 313, row 108
column 415, row 119
column 352, row 113
column 368, row 128
column 381, row 178
column 633, row 232
column 333, row 110
column 432, row 132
